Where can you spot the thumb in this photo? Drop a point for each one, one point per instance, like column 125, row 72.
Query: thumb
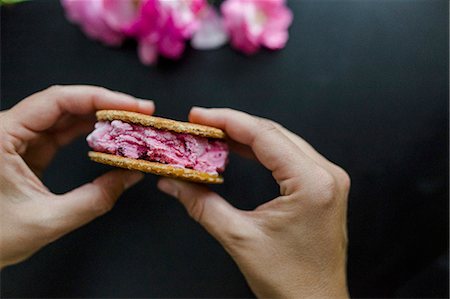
column 94, row 199
column 217, row 216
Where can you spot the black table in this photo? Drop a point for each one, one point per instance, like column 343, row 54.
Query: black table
column 365, row 82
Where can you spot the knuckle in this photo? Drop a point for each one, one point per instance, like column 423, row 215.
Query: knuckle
column 101, row 89
column 275, row 124
column 196, row 209
column 97, row 92
column 226, row 110
column 105, row 203
column 327, row 187
column 343, row 179
column 267, row 125
column 54, row 88
column 235, row 239
column 55, row 91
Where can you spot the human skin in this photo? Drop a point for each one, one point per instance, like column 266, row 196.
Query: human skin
column 295, row 245
column 30, row 134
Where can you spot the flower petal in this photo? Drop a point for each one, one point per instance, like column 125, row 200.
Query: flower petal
column 252, row 23
column 120, row 14
column 211, row 33
column 147, row 51
column 274, row 40
column 89, row 15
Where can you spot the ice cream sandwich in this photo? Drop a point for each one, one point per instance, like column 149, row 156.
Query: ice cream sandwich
column 158, row 145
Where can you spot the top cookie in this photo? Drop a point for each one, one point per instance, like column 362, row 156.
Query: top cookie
column 160, row 123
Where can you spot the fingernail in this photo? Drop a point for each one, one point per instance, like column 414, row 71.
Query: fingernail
column 132, row 177
column 167, row 186
column 146, row 103
column 198, row 109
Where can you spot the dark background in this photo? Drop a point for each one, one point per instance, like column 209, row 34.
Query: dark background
column 365, row 82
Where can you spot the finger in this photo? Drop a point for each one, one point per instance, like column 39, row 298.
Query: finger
column 91, row 200
column 301, row 143
column 271, row 147
column 313, row 154
column 68, row 120
column 42, row 150
column 64, row 137
column 241, row 149
column 216, row 215
column 42, row 110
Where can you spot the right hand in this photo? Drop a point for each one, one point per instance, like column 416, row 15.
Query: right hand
column 294, row 245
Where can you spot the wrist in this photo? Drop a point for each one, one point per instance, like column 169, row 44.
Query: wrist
column 302, row 285
column 314, row 291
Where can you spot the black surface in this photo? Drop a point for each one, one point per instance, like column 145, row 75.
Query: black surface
column 365, row 82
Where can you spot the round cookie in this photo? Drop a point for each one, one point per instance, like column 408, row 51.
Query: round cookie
column 156, row 168
column 160, row 123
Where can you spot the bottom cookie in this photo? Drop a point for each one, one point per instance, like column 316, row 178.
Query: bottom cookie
column 156, row 168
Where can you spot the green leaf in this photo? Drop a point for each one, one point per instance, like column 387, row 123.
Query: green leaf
column 2, row 2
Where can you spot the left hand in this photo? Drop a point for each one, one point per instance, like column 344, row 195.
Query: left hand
column 31, row 132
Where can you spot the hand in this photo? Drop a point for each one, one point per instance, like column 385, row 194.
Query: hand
column 293, row 246
column 31, row 132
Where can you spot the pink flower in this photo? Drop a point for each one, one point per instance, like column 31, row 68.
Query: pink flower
column 211, row 33
column 163, row 26
column 103, row 20
column 120, row 14
column 255, row 23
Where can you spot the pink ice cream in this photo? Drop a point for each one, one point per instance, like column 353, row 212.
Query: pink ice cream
column 147, row 143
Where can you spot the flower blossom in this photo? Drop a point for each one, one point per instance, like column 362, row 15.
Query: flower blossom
column 255, row 23
column 102, row 20
column 211, row 33
column 163, row 27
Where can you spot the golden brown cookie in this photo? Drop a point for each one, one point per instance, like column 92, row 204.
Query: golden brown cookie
column 156, row 168
column 160, row 123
